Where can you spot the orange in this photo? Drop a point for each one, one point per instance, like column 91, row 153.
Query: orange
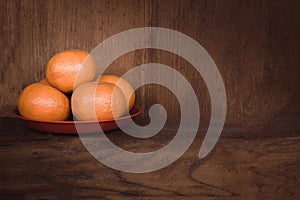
column 43, row 102
column 97, row 101
column 44, row 82
column 124, row 85
column 68, row 69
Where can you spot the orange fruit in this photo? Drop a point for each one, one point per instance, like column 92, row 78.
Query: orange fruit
column 43, row 102
column 124, row 85
column 68, row 69
column 97, row 101
column 44, row 82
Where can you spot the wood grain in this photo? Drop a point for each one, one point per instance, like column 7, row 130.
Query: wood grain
column 255, row 45
column 246, row 164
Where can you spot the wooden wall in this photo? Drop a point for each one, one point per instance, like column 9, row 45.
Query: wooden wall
column 255, row 45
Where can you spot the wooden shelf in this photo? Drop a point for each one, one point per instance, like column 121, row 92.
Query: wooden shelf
column 262, row 165
column 256, row 47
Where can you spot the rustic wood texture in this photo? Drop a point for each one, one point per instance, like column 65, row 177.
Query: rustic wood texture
column 255, row 45
column 246, row 164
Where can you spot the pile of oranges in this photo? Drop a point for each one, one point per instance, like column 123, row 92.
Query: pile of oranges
column 70, row 86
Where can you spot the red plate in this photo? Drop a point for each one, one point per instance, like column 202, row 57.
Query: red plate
column 68, row 127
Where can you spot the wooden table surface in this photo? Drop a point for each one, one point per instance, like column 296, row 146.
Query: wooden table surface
column 247, row 163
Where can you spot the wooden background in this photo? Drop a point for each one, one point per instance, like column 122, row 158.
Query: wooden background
column 255, row 45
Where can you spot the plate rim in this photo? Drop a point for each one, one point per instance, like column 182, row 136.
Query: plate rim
column 15, row 112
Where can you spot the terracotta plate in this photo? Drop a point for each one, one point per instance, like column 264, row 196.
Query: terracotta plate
column 68, row 127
